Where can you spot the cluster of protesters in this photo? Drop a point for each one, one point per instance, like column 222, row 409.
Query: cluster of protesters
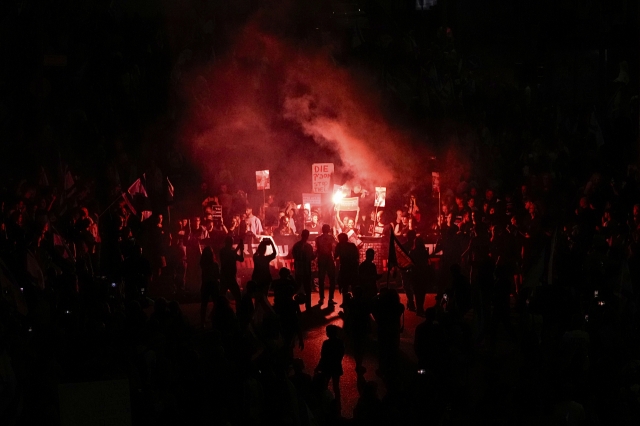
column 536, row 314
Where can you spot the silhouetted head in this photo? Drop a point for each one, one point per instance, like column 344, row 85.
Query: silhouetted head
column 419, row 242
column 411, row 235
column 332, row 331
column 304, row 236
column 326, row 229
column 343, row 238
column 228, row 241
column 370, row 254
column 284, row 273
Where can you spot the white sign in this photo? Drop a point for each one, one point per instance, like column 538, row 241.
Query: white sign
column 262, row 180
column 381, row 196
column 321, row 177
column 315, row 200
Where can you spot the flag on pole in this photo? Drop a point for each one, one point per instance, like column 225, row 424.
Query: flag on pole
column 137, row 188
column 125, row 196
column 170, row 190
column 398, row 256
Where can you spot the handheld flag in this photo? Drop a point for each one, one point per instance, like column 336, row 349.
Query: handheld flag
column 170, row 190
column 398, row 256
column 137, row 188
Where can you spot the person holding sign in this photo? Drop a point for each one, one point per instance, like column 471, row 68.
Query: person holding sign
column 347, row 224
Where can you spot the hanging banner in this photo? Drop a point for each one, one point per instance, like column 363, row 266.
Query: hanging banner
column 262, row 180
column 381, row 196
column 435, row 183
column 321, row 177
column 314, row 200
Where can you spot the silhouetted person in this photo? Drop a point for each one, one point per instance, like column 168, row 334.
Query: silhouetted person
column 459, row 291
column 325, row 244
column 136, row 271
column 246, row 308
column 330, row 364
column 421, row 273
column 407, row 276
column 210, row 288
column 387, row 312
column 302, row 257
column 288, row 311
column 261, row 272
column 349, row 257
column 368, row 275
column 228, row 268
column 358, row 322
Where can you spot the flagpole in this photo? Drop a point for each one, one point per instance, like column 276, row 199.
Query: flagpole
column 111, row 205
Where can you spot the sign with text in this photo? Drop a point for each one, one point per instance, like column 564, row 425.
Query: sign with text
column 262, row 180
column 321, row 177
column 350, row 203
column 314, row 200
column 217, row 212
column 381, row 196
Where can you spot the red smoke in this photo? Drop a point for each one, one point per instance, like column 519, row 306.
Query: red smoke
column 272, row 104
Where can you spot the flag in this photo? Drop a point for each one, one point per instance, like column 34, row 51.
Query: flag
column 59, row 244
column 125, row 196
column 170, row 190
column 137, row 188
column 146, row 214
column 398, row 256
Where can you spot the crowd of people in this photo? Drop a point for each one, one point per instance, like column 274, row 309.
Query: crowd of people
column 77, row 289
column 535, row 264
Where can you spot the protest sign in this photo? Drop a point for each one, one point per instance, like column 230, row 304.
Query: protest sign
column 381, row 196
column 435, row 183
column 217, row 212
column 350, row 203
column 262, row 180
column 315, row 200
column 321, row 177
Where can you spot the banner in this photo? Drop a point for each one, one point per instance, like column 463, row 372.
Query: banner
column 262, row 180
column 381, row 196
column 350, row 203
column 321, row 177
column 435, row 183
column 314, row 200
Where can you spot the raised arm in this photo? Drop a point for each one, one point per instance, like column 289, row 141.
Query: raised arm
column 338, row 217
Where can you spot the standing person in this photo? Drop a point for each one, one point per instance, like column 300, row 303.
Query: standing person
column 324, row 247
column 261, row 272
column 368, row 276
column 407, row 276
column 331, row 355
column 254, row 226
column 228, row 268
column 195, row 240
column 422, row 273
column 303, row 255
column 348, row 255
column 210, row 288
column 313, row 226
column 387, row 312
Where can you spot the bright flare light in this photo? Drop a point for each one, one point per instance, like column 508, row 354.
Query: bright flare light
column 337, row 197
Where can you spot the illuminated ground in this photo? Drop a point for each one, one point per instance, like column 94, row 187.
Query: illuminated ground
column 315, row 335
